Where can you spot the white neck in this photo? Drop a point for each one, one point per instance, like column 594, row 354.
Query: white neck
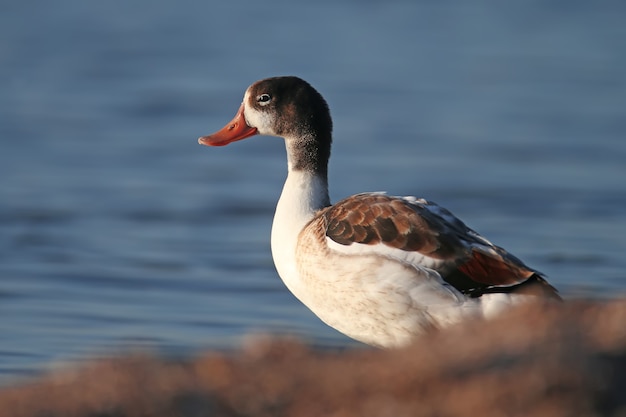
column 304, row 193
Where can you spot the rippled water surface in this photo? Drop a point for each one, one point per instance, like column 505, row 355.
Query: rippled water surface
column 118, row 230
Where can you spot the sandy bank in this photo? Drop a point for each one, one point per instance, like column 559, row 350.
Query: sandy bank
column 557, row 360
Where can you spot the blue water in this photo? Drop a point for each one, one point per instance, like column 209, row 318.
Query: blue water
column 118, row 231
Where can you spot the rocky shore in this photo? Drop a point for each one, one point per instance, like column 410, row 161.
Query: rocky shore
column 553, row 360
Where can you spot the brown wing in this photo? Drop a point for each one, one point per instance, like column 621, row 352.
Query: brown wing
column 377, row 218
column 495, row 267
column 497, row 270
column 471, row 263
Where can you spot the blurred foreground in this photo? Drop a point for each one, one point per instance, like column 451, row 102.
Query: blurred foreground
column 556, row 360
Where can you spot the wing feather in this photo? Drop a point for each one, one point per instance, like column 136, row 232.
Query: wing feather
column 465, row 259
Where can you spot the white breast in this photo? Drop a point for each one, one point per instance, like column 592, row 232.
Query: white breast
column 302, row 196
column 374, row 299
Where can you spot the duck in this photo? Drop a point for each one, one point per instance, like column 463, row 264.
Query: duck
column 381, row 269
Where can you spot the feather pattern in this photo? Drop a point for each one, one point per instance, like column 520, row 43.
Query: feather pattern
column 411, row 225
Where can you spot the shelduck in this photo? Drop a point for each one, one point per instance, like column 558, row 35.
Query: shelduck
column 380, row 269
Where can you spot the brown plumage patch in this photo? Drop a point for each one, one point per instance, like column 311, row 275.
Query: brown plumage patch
column 473, row 265
column 376, row 218
column 503, row 272
column 495, row 269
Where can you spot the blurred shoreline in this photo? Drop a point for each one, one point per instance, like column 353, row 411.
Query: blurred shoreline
column 537, row 360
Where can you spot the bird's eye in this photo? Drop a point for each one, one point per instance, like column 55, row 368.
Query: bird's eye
column 263, row 99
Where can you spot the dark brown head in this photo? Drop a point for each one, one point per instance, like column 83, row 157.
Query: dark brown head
column 287, row 107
